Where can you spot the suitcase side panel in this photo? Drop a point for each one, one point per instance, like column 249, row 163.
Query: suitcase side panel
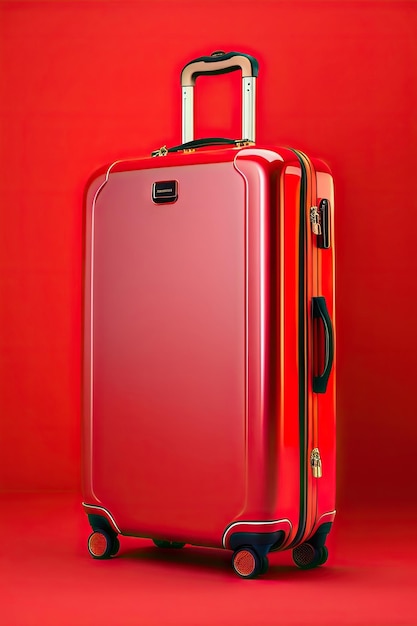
column 319, row 284
column 326, row 402
column 319, row 490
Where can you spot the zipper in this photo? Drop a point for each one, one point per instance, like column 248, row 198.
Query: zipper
column 302, row 357
column 309, row 213
column 319, row 217
column 315, row 220
column 315, row 461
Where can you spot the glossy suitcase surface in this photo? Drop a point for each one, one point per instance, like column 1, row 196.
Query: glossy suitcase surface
column 209, row 348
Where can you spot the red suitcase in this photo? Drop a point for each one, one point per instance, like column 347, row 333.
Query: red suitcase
column 209, row 384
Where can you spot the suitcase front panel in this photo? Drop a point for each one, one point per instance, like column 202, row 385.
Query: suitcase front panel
column 168, row 352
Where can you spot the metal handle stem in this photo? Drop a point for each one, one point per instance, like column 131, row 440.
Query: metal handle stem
column 219, row 65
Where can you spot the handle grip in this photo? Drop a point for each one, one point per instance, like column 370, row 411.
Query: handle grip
column 320, row 311
column 220, row 63
column 199, row 143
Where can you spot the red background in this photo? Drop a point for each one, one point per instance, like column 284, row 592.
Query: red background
column 84, row 83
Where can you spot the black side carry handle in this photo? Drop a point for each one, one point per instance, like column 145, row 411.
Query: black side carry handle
column 320, row 311
column 201, row 143
column 219, row 63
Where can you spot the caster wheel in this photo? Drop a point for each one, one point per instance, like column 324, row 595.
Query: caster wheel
column 324, row 554
column 100, row 544
column 161, row 544
column 306, row 556
column 115, row 546
column 247, row 563
column 168, row 544
column 265, row 565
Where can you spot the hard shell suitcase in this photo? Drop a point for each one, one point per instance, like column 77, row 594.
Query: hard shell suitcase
column 209, row 352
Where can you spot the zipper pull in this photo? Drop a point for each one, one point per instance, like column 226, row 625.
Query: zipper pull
column 163, row 151
column 315, row 461
column 315, row 220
